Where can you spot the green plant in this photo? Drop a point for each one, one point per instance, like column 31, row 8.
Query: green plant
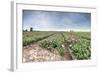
column 81, row 49
column 61, row 51
column 33, row 37
column 55, row 44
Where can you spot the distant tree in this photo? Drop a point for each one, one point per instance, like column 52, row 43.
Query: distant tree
column 31, row 29
column 26, row 30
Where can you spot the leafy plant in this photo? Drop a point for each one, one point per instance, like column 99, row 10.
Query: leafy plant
column 31, row 38
column 51, row 45
column 81, row 48
column 61, row 51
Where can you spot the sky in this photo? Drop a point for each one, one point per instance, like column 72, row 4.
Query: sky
column 56, row 20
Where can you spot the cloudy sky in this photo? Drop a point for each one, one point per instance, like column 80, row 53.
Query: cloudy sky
column 56, row 21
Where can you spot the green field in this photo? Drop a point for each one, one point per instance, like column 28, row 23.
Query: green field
column 78, row 44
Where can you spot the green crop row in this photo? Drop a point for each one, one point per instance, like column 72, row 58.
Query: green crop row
column 33, row 37
column 55, row 44
column 79, row 44
column 81, row 49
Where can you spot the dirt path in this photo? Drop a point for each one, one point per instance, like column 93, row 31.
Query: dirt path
column 34, row 53
column 67, row 52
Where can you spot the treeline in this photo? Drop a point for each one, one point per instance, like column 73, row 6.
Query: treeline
column 31, row 29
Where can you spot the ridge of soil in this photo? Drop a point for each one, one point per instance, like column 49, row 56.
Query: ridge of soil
column 34, row 53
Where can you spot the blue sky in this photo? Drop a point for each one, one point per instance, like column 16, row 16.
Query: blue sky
column 56, row 20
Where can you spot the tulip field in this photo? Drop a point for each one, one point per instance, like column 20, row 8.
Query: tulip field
column 77, row 44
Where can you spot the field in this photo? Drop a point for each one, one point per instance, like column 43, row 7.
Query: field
column 54, row 46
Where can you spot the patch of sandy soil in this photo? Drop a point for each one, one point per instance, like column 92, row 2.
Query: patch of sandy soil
column 34, row 53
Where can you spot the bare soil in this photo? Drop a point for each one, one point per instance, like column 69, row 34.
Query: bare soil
column 34, row 53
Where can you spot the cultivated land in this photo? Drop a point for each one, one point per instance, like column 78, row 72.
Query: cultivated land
column 40, row 46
